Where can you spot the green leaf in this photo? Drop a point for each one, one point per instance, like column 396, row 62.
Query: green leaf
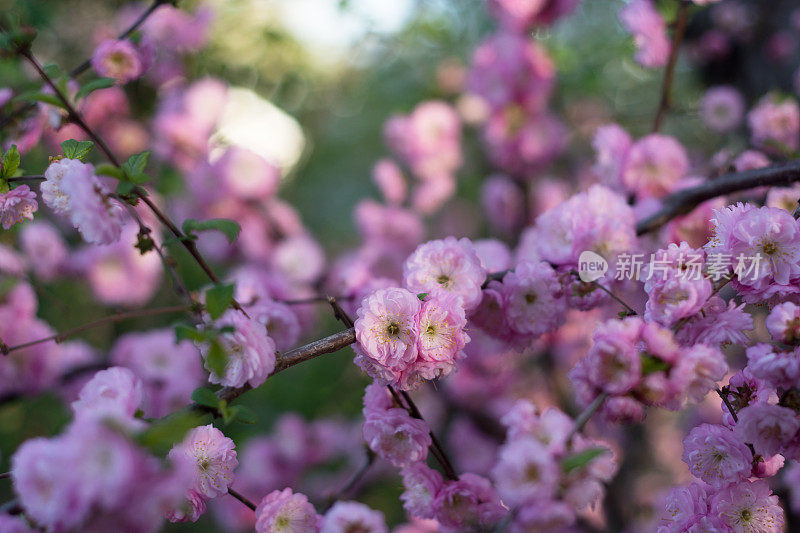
column 218, row 298
column 11, row 162
column 230, row 228
column 36, row 96
column 109, row 170
column 165, row 432
column 125, row 188
column 89, row 87
column 134, row 167
column 184, row 332
column 205, row 397
column 577, row 460
column 217, row 359
column 422, row 296
column 77, row 149
column 652, row 364
column 243, row 414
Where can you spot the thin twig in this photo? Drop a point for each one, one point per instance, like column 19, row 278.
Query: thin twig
column 59, row 337
column 669, row 74
column 83, row 67
column 353, row 481
column 26, row 178
column 242, row 499
column 586, row 415
column 5, row 475
column 727, row 403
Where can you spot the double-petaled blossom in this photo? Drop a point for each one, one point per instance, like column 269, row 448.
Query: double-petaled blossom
column 396, row 437
column 774, row 124
column 533, row 303
column 769, row 428
column 115, row 394
column 422, row 484
column 468, row 502
column 717, row 456
column 213, row 459
column 783, row 323
column 654, row 165
column 17, row 205
column 72, row 189
column 250, row 351
column 118, row 59
column 283, row 511
column 748, row 506
column 447, row 265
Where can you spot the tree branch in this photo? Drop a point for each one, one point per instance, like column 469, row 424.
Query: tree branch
column 669, row 74
column 683, row 201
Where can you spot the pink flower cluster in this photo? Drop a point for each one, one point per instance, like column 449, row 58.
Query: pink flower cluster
column 121, row 60
column 769, row 240
column 403, row 341
column 638, row 363
column 775, row 124
column 391, row 432
column 674, row 292
column 530, row 475
column 17, row 205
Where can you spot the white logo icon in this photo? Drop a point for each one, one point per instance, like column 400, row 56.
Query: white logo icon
column 591, row 266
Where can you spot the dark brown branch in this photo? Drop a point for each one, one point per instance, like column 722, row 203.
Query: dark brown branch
column 5, row 475
column 26, row 178
column 685, row 200
column 242, row 499
column 586, row 415
column 669, row 74
column 59, row 337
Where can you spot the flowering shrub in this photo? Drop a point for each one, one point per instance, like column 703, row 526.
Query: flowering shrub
column 623, row 353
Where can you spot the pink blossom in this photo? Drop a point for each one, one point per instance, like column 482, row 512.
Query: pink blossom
column 532, row 299
column 715, row 455
column 779, row 368
column 53, row 192
column 783, row 323
column 719, row 323
column 397, row 437
column 91, row 210
column 344, row 517
column 685, row 505
column 213, row 457
column 722, row 108
column 471, row 501
column 422, row 484
column 654, row 165
column 774, row 124
column 543, row 515
column 649, row 31
column 285, row 511
column 447, row 265
column 678, row 297
column 613, row 363
column 17, row 205
column 769, row 428
column 118, row 59
column 250, row 351
column 699, row 369
column 519, row 15
column 526, row 470
column 748, row 506
column 114, row 393
column 300, row 258
column 387, row 331
column 14, row 524
column 441, row 330
column 598, row 220
column 750, row 160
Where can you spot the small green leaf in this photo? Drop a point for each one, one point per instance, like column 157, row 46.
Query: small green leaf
column 243, row 414
column 77, row 149
column 125, row 188
column 109, row 170
column 205, row 397
column 230, row 228
column 184, row 332
column 577, row 460
column 225, row 411
column 217, row 359
column 218, row 298
column 652, row 364
column 422, row 296
column 134, row 167
column 36, row 96
column 89, row 87
column 11, row 162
